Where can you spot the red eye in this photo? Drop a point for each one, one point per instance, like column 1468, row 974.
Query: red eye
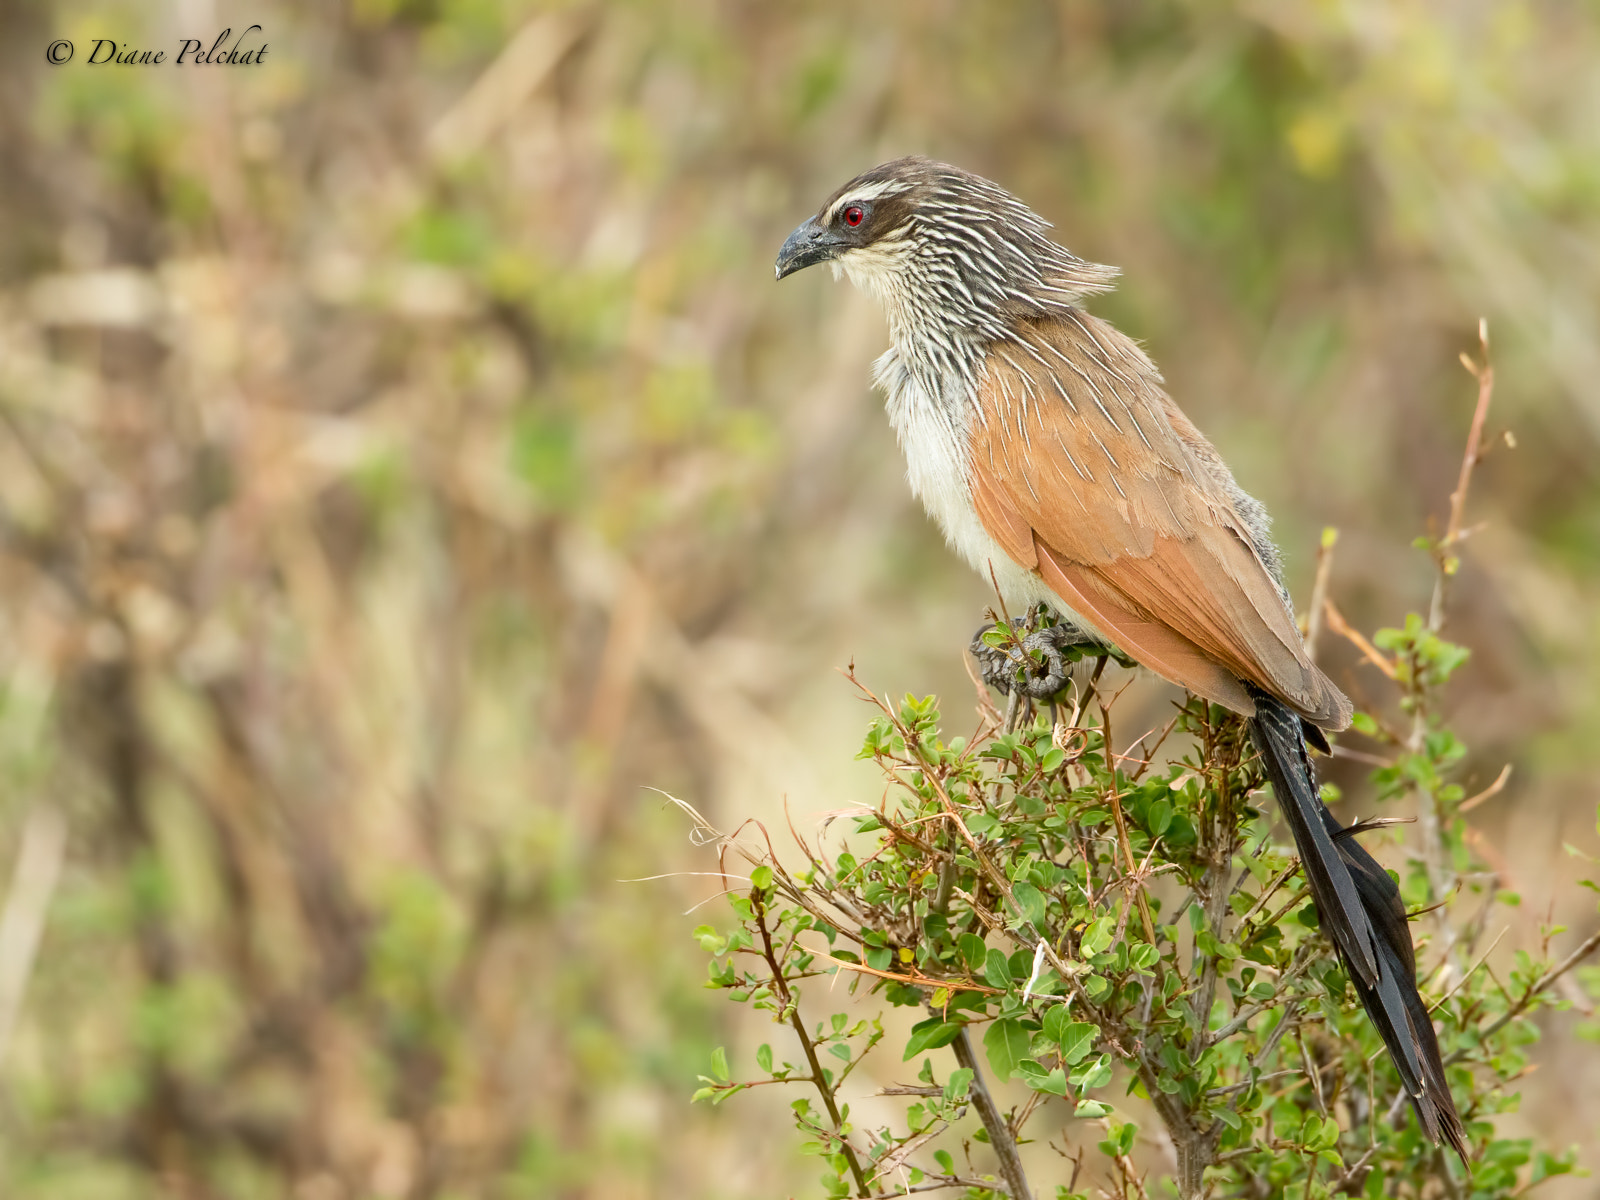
column 853, row 215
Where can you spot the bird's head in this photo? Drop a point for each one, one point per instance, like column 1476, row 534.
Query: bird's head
column 870, row 218
column 936, row 242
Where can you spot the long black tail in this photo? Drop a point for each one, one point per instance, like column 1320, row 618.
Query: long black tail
column 1360, row 909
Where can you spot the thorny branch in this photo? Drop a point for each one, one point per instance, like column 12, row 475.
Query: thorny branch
column 1001, row 1136
column 791, row 1010
column 1446, row 561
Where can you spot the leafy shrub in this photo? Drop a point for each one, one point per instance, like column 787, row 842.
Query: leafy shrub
column 1114, row 925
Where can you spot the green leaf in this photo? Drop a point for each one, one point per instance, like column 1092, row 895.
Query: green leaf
column 764, row 1057
column 1076, row 1040
column 1041, row 1079
column 1098, row 936
column 930, row 1035
column 1030, row 900
column 761, row 877
column 1056, row 1020
column 1006, row 1042
column 1093, row 1075
column 996, row 972
column 981, row 824
column 719, row 1062
column 973, row 951
column 1091, row 1108
column 955, row 1088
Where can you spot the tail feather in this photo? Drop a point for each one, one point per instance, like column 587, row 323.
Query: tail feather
column 1404, row 1022
column 1360, row 909
column 1277, row 735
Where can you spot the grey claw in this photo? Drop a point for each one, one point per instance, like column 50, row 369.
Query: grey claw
column 1038, row 664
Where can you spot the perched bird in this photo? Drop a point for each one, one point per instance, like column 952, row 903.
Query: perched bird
column 1043, row 443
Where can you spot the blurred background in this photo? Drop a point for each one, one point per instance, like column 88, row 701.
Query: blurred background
column 407, row 462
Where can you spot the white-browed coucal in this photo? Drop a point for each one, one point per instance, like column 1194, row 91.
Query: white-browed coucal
column 1043, row 443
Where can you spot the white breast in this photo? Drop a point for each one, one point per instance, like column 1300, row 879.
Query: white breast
column 934, row 438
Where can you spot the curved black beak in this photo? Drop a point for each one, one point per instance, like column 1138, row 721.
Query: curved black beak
column 806, row 246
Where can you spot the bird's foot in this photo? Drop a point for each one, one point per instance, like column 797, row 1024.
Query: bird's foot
column 1035, row 662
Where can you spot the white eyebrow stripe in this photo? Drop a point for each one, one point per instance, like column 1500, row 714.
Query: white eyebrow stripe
column 866, row 192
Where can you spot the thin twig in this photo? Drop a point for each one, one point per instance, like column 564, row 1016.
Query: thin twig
column 1267, row 894
column 1299, row 895
column 1460, row 983
column 1244, row 1085
column 1483, row 372
column 1000, row 1137
column 918, row 980
column 1319, row 590
column 1488, row 793
column 1429, row 807
column 780, row 987
column 1245, row 1015
column 1538, row 988
column 1350, row 633
column 941, row 1182
column 1312, row 1073
column 1122, row 822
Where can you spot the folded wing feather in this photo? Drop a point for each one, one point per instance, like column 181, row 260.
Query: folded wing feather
column 1083, row 469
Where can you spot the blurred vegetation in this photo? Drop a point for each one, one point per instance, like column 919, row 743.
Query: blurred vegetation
column 405, row 456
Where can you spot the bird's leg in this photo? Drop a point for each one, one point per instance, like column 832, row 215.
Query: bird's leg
column 1034, row 657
